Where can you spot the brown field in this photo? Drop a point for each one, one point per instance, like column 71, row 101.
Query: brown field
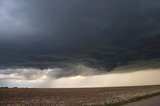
column 72, row 96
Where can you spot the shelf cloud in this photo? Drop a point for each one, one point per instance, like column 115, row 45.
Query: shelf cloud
column 78, row 37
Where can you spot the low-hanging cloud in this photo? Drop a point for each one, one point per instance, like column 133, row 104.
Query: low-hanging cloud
column 48, row 78
column 77, row 37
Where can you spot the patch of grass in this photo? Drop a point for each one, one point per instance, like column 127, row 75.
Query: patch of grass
column 132, row 100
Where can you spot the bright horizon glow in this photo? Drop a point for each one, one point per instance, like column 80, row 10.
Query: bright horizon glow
column 110, row 80
column 143, row 77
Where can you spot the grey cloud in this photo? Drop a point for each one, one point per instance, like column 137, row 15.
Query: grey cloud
column 104, row 34
column 22, row 74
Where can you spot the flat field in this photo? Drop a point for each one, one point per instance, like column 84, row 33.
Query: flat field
column 72, row 96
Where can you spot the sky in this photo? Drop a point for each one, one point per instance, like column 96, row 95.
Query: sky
column 53, row 40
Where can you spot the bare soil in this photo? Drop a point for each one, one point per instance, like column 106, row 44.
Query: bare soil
column 71, row 96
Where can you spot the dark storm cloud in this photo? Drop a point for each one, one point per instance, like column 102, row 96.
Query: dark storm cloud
column 102, row 34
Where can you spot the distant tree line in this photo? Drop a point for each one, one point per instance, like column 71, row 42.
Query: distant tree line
column 4, row 87
column 9, row 87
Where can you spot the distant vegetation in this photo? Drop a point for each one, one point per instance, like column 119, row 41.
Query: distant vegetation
column 9, row 87
column 4, row 87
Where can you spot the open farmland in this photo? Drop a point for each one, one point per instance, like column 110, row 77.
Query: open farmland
column 72, row 96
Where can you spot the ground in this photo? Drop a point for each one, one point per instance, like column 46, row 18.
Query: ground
column 72, row 96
